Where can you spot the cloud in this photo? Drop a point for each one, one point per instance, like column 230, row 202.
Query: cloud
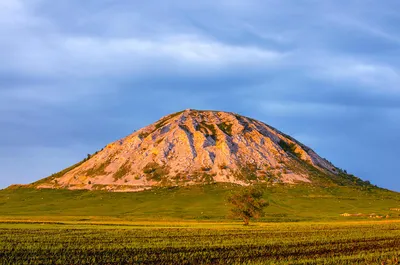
column 382, row 78
column 293, row 109
column 180, row 50
column 84, row 56
column 83, row 73
column 362, row 24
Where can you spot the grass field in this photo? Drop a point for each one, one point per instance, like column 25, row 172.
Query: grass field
column 364, row 242
column 189, row 225
column 202, row 202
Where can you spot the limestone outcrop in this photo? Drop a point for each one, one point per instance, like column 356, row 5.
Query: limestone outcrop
column 194, row 146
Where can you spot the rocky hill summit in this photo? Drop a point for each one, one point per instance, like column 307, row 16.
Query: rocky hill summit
column 194, row 146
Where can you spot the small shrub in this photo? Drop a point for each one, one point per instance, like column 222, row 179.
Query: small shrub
column 222, row 166
column 205, row 168
column 143, row 135
column 207, row 178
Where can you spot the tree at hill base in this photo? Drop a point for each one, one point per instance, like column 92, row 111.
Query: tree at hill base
column 247, row 203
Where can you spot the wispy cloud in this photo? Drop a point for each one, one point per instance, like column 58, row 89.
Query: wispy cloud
column 88, row 55
column 190, row 50
column 381, row 78
column 362, row 24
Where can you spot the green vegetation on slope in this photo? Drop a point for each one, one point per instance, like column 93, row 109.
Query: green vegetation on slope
column 300, row 243
column 198, row 202
column 159, row 124
column 99, row 169
column 122, row 171
column 155, row 172
column 208, row 130
column 289, row 148
column 226, row 128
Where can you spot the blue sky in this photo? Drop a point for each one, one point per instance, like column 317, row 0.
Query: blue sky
column 76, row 75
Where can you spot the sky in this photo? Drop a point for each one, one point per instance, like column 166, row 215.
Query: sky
column 76, row 75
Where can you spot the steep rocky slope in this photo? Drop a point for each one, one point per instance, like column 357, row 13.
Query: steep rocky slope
column 198, row 147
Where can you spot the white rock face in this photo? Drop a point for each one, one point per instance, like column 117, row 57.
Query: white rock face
column 191, row 147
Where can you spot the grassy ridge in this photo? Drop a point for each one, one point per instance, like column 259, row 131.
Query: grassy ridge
column 283, row 243
column 200, row 202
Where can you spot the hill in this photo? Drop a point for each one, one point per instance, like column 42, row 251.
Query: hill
column 197, row 147
column 183, row 166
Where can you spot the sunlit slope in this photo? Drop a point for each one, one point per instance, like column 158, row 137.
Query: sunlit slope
column 200, row 147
